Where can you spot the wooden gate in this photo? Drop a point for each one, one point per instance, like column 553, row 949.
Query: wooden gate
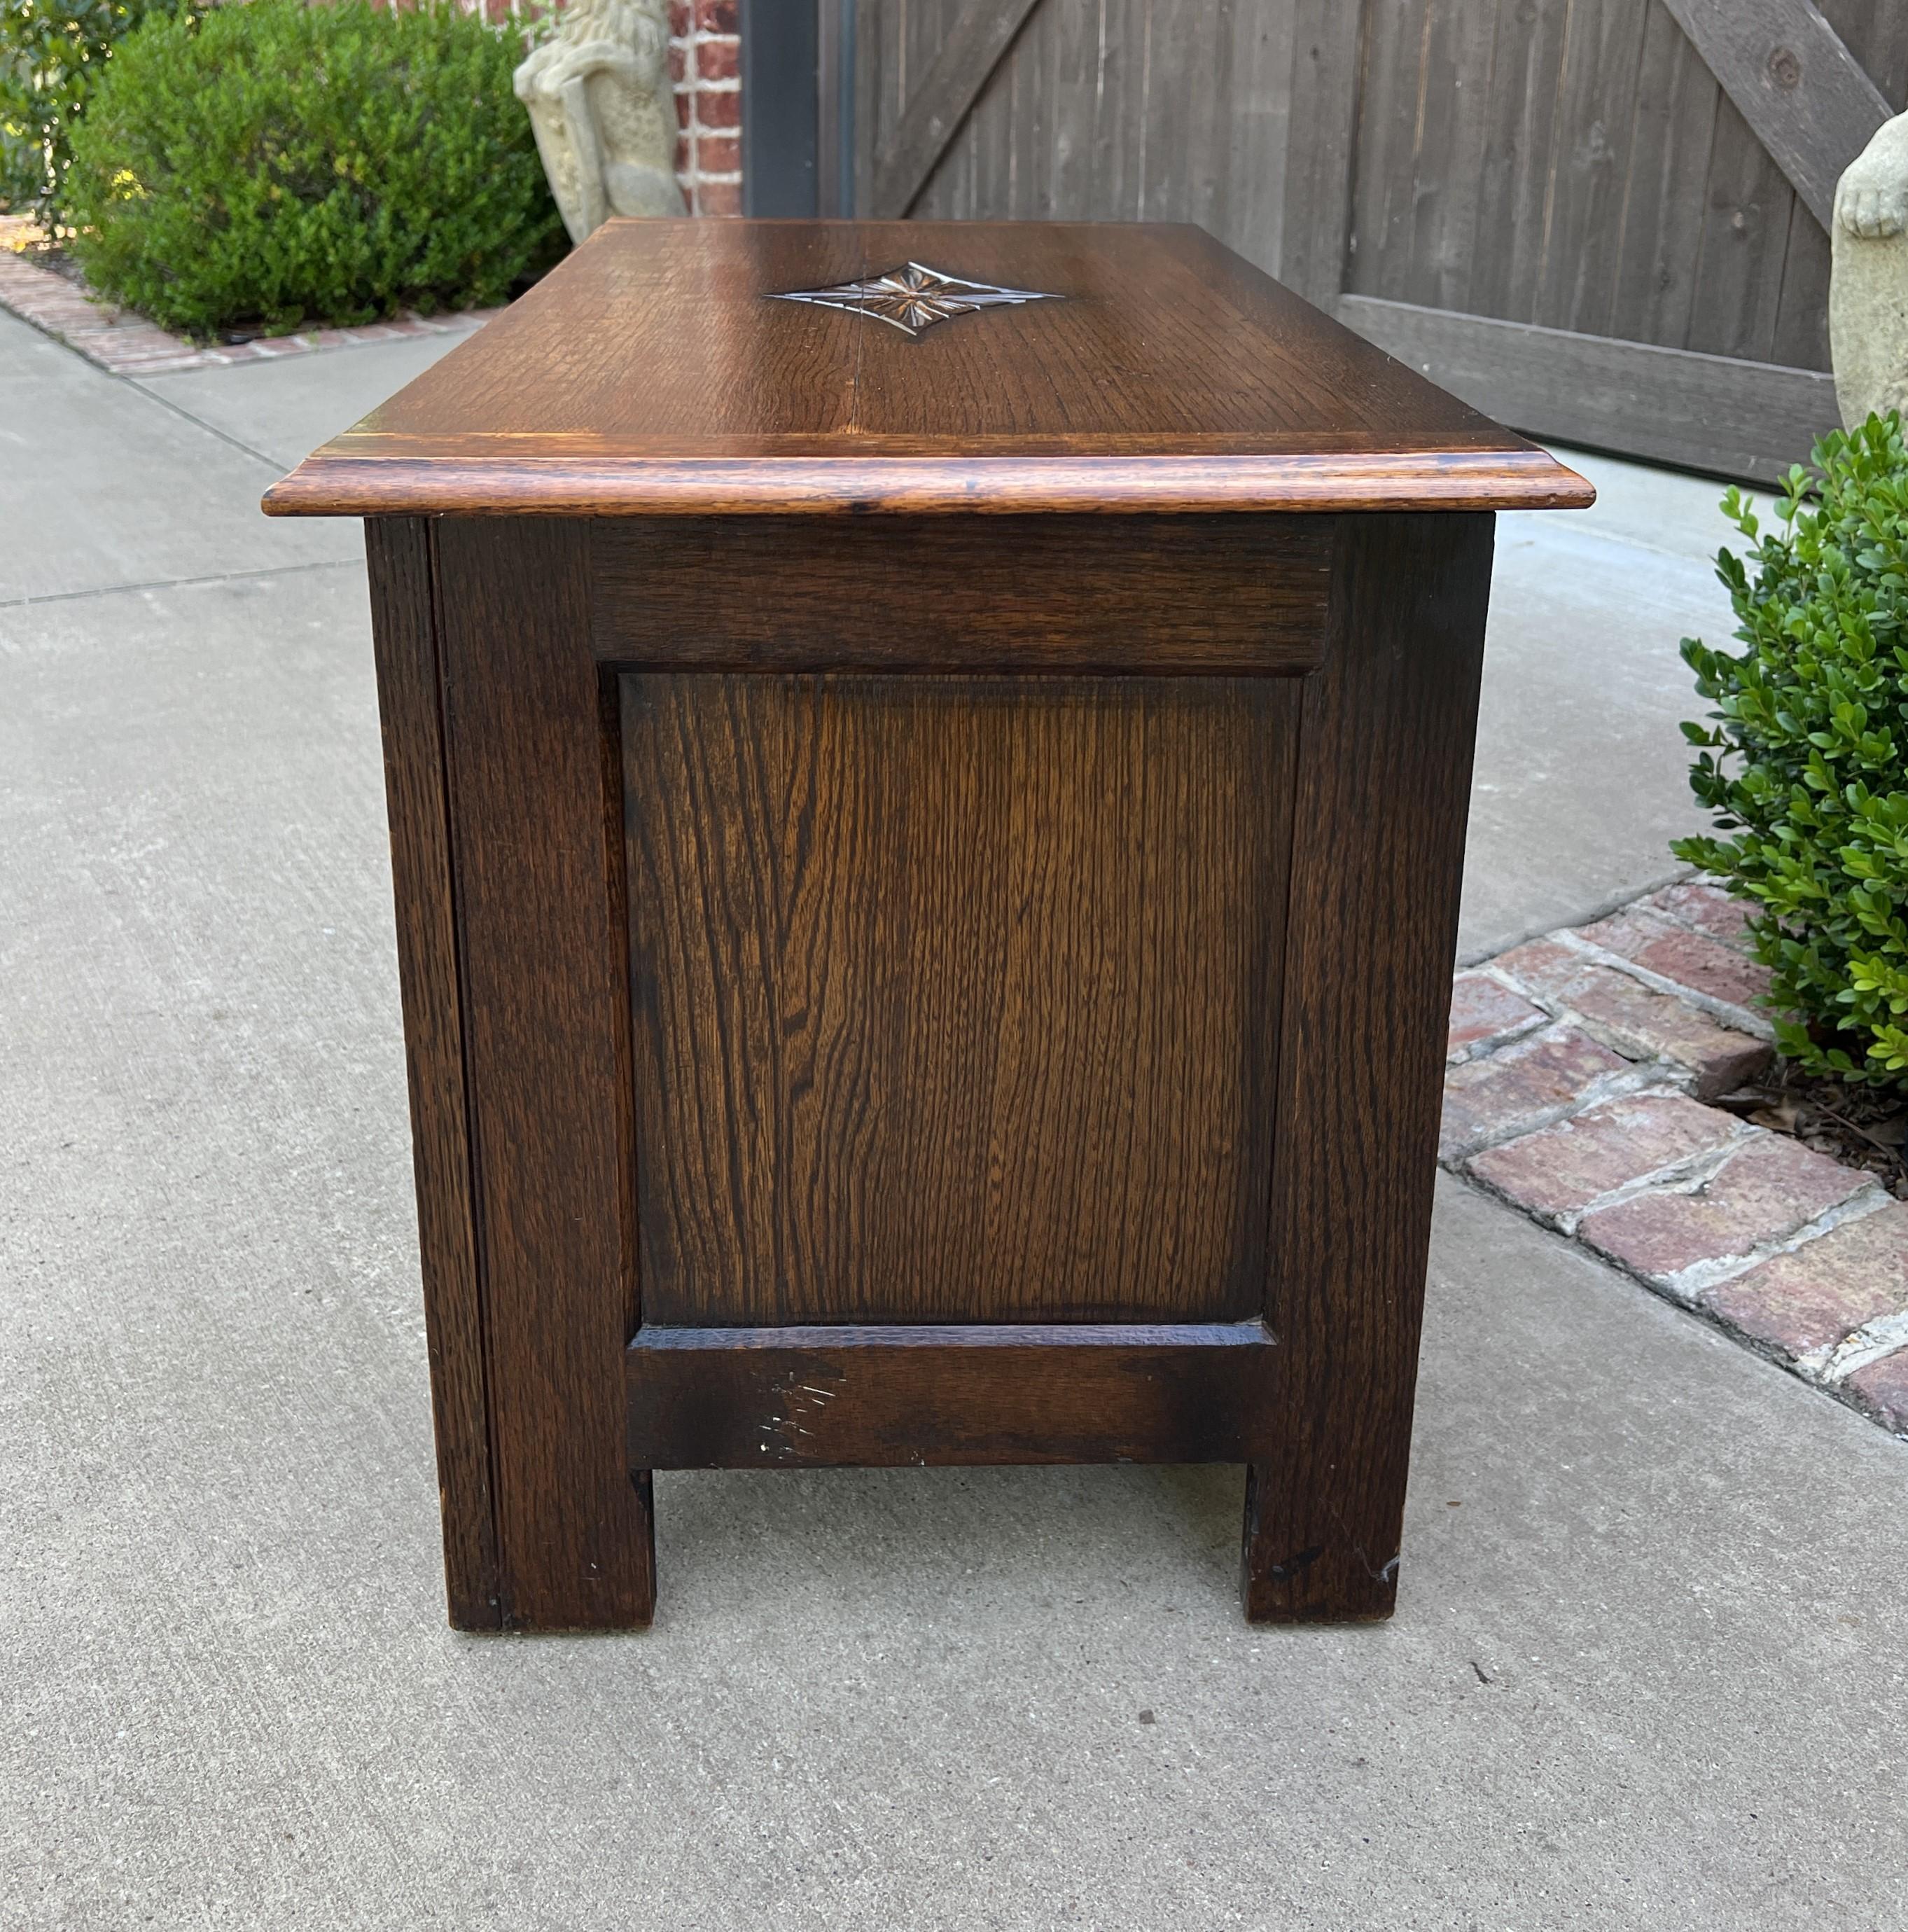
column 1603, row 221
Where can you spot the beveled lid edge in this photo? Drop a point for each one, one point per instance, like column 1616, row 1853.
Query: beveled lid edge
column 356, row 483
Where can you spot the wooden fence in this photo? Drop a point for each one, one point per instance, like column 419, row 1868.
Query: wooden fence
column 1602, row 220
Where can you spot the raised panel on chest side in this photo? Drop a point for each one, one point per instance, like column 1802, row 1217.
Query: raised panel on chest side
column 955, row 998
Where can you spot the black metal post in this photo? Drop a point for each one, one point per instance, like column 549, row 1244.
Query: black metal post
column 779, row 82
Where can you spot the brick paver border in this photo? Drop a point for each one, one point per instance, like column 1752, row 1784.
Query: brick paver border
column 126, row 344
column 1579, row 1071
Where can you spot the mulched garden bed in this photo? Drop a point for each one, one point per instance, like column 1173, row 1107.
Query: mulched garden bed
column 1863, row 1127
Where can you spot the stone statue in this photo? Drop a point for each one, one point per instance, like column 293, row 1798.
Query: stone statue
column 600, row 103
column 1868, row 290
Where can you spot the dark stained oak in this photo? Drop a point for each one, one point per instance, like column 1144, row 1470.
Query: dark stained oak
column 779, row 1398
column 956, row 987
column 1216, row 593
column 1383, row 784
column 542, row 918
column 583, row 481
column 955, row 998
column 398, row 550
column 650, row 374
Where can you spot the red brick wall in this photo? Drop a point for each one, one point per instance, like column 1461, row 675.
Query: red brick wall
column 705, row 64
column 705, row 69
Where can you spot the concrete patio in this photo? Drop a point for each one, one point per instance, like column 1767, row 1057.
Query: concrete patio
column 1651, row 1661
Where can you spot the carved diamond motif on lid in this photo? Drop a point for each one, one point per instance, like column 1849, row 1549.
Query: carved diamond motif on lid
column 913, row 298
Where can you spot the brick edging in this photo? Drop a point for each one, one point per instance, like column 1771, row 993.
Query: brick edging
column 705, row 74
column 125, row 344
column 1579, row 1069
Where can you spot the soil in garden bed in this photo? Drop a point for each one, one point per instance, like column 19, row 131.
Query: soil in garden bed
column 1863, row 1127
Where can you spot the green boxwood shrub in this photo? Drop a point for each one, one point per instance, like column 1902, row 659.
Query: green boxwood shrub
column 52, row 53
column 276, row 163
column 1803, row 762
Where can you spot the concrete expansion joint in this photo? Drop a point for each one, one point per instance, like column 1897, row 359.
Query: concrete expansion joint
column 264, row 573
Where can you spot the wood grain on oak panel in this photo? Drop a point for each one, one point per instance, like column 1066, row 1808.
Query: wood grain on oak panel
column 954, row 997
column 650, row 372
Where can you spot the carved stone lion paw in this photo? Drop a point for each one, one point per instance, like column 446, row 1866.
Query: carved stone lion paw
column 1874, row 211
column 1871, row 199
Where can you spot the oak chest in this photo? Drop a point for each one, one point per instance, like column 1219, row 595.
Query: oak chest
column 928, row 768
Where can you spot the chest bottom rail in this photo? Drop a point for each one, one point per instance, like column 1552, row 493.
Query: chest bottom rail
column 893, row 1396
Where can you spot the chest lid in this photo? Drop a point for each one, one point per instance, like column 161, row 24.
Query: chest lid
column 713, row 367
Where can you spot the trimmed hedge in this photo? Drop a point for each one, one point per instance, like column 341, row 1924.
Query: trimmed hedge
column 1812, row 720
column 277, row 164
